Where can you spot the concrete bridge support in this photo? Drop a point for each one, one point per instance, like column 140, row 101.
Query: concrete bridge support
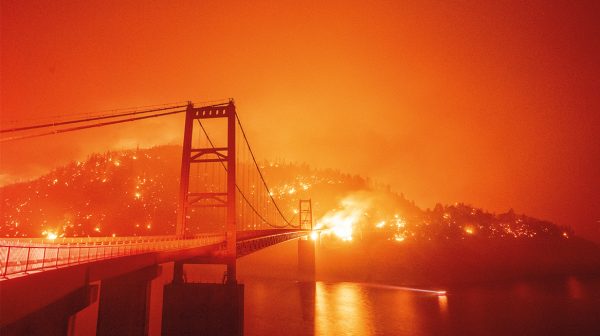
column 306, row 259
column 124, row 303
column 84, row 322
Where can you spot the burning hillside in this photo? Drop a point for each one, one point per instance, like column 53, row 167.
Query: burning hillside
column 134, row 192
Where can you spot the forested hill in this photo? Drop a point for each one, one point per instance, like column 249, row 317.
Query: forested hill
column 134, row 192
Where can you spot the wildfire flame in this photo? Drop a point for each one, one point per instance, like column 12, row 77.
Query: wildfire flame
column 50, row 235
column 341, row 222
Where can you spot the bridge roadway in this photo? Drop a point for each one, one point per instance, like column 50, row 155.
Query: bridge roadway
column 53, row 270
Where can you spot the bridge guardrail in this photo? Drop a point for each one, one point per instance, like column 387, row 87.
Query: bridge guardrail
column 20, row 259
column 81, row 240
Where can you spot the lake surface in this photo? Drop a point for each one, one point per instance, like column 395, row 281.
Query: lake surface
column 568, row 306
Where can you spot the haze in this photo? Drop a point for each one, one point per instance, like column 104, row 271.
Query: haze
column 490, row 104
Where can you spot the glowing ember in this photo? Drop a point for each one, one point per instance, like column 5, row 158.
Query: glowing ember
column 400, row 223
column 469, row 230
column 380, row 224
column 399, row 238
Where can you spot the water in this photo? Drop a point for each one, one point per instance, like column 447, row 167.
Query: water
column 559, row 307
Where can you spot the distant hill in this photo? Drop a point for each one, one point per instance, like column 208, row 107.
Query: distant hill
column 123, row 193
column 134, row 192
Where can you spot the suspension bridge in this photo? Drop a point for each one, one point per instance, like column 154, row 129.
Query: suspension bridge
column 225, row 211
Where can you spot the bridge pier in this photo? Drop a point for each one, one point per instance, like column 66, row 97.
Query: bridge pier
column 203, row 309
column 124, row 303
column 155, row 300
column 56, row 318
column 84, row 322
column 306, row 259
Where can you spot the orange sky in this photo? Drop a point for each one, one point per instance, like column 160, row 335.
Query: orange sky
column 490, row 104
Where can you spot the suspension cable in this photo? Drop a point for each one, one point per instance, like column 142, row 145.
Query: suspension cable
column 77, row 128
column 259, row 172
column 101, row 117
column 131, row 113
column 242, row 193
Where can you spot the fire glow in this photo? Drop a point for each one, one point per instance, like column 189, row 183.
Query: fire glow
column 341, row 222
column 50, row 235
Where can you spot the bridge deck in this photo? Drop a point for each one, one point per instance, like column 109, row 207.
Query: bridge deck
column 20, row 257
column 87, row 263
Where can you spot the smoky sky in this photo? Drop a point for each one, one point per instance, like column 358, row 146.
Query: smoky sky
column 492, row 104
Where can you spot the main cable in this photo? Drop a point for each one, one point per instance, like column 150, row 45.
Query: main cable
column 102, row 117
column 77, row 128
column 260, row 173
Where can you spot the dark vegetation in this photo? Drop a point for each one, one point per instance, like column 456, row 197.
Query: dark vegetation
column 134, row 192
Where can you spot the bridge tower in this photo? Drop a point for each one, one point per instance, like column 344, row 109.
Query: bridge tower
column 198, row 156
column 305, row 214
column 306, row 245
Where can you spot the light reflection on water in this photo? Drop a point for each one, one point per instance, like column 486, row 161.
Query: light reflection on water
column 443, row 304
column 527, row 308
column 575, row 288
column 342, row 307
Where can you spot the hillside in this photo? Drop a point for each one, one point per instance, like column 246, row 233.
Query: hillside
column 134, row 192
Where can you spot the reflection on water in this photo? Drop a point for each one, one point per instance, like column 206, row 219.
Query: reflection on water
column 342, row 307
column 575, row 288
column 568, row 307
column 443, row 304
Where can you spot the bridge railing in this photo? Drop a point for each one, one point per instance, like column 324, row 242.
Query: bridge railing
column 18, row 258
column 82, row 240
